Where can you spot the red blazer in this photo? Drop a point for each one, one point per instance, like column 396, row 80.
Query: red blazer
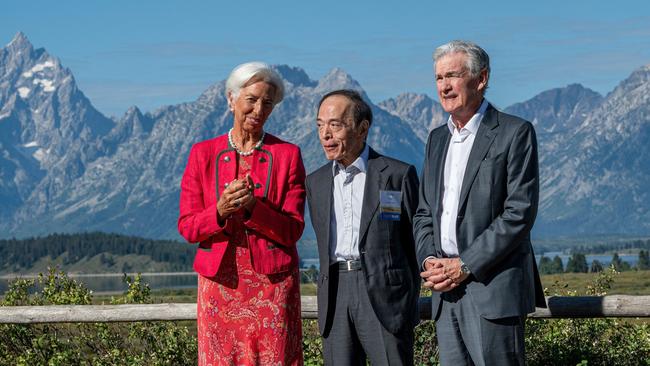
column 276, row 222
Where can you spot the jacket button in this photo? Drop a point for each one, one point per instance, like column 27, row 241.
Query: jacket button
column 257, row 185
column 226, row 159
column 262, row 160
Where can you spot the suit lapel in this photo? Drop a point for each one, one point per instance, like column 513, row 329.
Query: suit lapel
column 484, row 138
column 439, row 167
column 375, row 181
column 323, row 183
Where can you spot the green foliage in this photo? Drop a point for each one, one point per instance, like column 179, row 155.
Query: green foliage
column 644, row 260
column 596, row 266
column 312, row 343
column 558, row 266
column 426, row 344
column 20, row 255
column 104, row 344
column 309, row 275
column 548, row 342
column 593, row 245
column 606, row 341
column 619, row 264
column 577, row 263
column 544, row 265
column 548, row 266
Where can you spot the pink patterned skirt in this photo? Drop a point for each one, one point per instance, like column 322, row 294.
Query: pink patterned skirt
column 246, row 318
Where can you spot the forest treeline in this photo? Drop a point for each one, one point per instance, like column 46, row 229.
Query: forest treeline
column 18, row 254
column 597, row 246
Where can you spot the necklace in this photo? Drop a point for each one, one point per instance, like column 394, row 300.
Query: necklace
column 245, row 153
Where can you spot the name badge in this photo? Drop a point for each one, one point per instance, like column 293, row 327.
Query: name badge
column 390, row 205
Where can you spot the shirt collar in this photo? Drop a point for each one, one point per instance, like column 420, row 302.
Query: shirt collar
column 473, row 123
column 361, row 162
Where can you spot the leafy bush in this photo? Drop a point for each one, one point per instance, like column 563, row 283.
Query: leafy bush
column 312, row 343
column 548, row 341
column 103, row 344
column 608, row 341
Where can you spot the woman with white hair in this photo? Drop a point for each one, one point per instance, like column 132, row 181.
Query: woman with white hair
column 242, row 199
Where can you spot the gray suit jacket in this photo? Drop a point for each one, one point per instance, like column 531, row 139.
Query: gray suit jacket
column 497, row 209
column 387, row 248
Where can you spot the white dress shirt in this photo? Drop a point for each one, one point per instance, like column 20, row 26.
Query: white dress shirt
column 349, row 185
column 455, row 163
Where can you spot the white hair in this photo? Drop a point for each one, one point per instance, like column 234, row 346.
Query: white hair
column 257, row 71
column 477, row 59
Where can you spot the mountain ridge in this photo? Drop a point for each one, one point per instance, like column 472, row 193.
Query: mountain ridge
column 66, row 167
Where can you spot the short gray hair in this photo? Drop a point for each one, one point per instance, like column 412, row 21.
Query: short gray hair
column 257, row 71
column 477, row 58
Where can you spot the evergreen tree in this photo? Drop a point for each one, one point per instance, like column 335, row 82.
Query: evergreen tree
column 596, row 266
column 545, row 265
column 558, row 266
column 577, row 263
column 21, row 255
column 644, row 260
column 619, row 264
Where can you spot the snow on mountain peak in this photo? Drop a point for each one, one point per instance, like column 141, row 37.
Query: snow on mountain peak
column 49, row 64
column 47, row 85
column 24, row 92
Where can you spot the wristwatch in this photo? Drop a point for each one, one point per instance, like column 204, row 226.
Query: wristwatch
column 464, row 270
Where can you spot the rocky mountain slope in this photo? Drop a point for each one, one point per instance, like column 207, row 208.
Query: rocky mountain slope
column 65, row 167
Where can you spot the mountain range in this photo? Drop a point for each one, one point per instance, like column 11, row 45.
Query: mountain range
column 65, row 167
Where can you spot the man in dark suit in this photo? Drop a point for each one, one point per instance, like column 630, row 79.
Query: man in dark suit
column 361, row 207
column 478, row 201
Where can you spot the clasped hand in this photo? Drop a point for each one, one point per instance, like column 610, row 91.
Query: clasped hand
column 238, row 195
column 442, row 274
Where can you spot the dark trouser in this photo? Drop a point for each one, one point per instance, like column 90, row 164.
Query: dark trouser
column 466, row 338
column 356, row 332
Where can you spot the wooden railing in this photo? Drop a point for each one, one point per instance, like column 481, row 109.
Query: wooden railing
column 558, row 307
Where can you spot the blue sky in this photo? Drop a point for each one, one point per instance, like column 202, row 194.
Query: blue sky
column 152, row 53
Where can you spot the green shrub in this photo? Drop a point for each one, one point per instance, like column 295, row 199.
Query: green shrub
column 548, row 341
column 103, row 344
column 312, row 343
column 608, row 341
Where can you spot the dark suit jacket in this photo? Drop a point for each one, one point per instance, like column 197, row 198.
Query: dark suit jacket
column 497, row 208
column 386, row 248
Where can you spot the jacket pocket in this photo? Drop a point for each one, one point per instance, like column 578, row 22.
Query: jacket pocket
column 269, row 257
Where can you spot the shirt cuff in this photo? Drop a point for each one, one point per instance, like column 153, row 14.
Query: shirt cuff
column 426, row 259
